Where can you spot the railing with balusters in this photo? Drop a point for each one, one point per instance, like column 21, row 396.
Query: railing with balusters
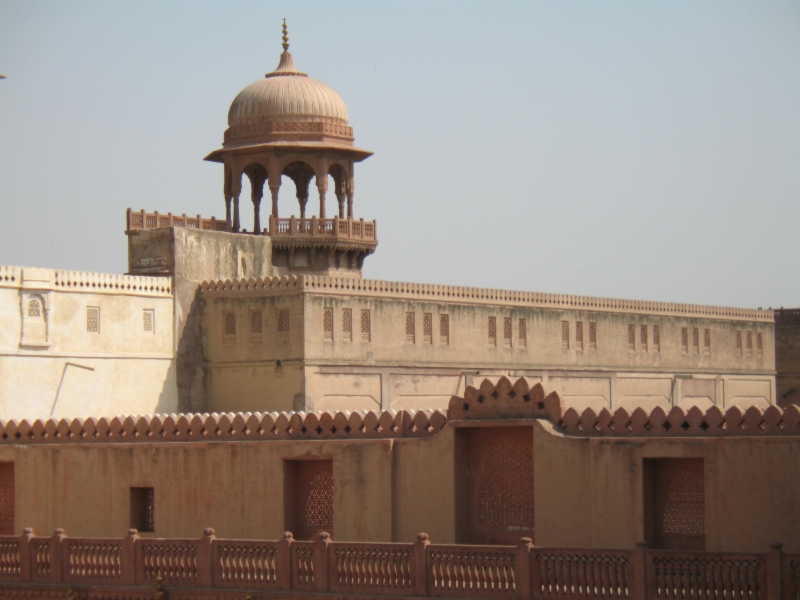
column 137, row 220
column 336, row 228
column 421, row 569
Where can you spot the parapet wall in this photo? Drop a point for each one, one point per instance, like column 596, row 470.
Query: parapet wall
column 226, row 427
column 471, row 295
column 79, row 281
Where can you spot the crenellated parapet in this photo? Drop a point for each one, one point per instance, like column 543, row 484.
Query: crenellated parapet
column 343, row 425
column 520, row 400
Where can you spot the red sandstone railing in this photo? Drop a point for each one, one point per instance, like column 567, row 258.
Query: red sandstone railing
column 421, row 569
column 335, row 229
column 137, row 220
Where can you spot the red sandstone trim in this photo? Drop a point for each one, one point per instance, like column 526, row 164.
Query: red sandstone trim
column 212, row 568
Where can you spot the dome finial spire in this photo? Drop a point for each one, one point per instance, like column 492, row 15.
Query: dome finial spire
column 285, row 37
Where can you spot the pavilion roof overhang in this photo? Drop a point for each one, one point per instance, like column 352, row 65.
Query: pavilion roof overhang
column 357, row 154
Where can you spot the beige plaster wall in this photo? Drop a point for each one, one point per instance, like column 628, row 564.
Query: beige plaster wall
column 253, row 372
column 120, row 369
column 387, row 371
column 235, row 488
column 587, row 492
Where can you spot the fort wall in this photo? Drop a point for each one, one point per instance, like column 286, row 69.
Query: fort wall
column 82, row 344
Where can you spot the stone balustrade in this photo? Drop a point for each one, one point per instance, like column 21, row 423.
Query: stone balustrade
column 138, row 220
column 333, row 229
column 217, row 568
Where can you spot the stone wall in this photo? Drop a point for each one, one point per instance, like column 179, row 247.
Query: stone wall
column 422, row 344
column 84, row 344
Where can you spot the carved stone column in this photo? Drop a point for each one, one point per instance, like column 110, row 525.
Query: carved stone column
column 236, row 210
column 228, row 197
column 273, row 190
column 340, row 198
column 350, row 204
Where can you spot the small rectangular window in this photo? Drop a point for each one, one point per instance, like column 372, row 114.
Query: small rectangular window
column 685, row 340
column 760, row 344
column 656, row 338
column 427, row 328
column 229, row 327
column 143, row 509
column 592, row 336
column 366, row 333
column 706, row 341
column 347, row 325
column 444, row 330
column 507, row 333
column 492, row 331
column 579, row 335
column 523, row 333
column 695, row 340
column 565, row 335
column 749, row 343
column 643, row 338
column 739, row 345
column 149, row 321
column 327, row 324
column 92, row 319
column 631, row 337
column 411, row 329
column 7, row 499
column 283, row 325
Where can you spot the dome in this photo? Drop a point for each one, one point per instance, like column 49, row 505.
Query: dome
column 287, row 95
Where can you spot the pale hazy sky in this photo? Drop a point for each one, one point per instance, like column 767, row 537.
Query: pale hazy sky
column 637, row 149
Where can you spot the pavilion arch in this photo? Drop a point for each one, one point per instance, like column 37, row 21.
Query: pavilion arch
column 257, row 174
column 341, row 187
column 301, row 173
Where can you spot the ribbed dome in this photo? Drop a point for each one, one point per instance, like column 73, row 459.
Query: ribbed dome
column 286, row 95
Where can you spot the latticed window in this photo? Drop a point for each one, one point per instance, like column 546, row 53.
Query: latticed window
column 365, row 325
column 327, row 324
column 319, row 504
column 592, row 336
column 739, row 345
column 410, row 328
column 706, row 341
column 685, row 340
column 283, row 325
column 143, row 508
column 347, row 325
column 7, row 498
column 522, row 329
column 631, row 337
column 749, row 343
column 656, row 338
column 93, row 319
column 148, row 321
column 493, row 331
column 427, row 328
column 565, row 335
column 229, row 326
column 579, row 335
column 696, row 340
column 506, row 492
column 643, row 338
column 507, row 333
column 256, row 324
column 34, row 308
column 760, row 345
column 444, row 329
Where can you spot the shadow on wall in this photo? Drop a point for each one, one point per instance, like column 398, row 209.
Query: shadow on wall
column 190, row 377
